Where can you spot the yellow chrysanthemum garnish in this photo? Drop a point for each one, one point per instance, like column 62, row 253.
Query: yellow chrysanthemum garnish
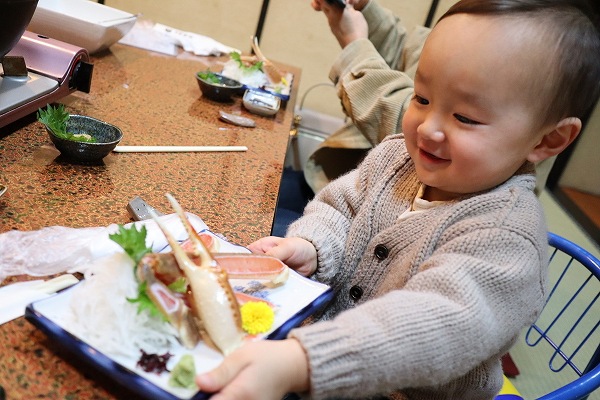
column 257, row 317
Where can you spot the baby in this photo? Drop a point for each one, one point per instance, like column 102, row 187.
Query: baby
column 436, row 244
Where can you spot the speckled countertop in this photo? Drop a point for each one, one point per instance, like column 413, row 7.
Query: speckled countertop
column 155, row 100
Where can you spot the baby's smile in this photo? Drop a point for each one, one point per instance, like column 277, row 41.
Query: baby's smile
column 430, row 157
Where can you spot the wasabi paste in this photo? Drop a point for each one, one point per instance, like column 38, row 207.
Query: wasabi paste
column 184, row 373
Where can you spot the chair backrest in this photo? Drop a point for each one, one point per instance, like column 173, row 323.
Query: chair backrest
column 570, row 318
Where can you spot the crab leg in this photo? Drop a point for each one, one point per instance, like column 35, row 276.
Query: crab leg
column 164, row 267
column 271, row 70
column 212, row 294
column 199, row 249
column 267, row 269
column 254, row 266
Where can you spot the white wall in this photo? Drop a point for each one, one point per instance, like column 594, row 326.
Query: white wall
column 583, row 169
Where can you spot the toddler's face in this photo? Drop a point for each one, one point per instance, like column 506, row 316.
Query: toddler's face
column 473, row 120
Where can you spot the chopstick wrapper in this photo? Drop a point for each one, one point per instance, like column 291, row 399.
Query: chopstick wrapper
column 15, row 297
column 56, row 249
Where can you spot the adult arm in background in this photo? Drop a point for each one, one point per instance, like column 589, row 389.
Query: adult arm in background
column 373, row 94
column 383, row 28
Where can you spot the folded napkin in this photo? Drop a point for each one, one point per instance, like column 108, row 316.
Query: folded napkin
column 56, row 249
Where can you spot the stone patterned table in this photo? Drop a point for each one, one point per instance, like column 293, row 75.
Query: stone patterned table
column 155, row 100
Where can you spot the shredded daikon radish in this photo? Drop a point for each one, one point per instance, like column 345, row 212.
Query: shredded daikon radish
column 102, row 315
column 248, row 78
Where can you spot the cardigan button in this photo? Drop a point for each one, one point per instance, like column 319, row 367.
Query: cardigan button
column 381, row 252
column 356, row 292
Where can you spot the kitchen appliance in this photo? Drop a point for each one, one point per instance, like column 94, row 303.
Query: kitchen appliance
column 37, row 70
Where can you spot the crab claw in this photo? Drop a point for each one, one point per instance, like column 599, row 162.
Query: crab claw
column 274, row 74
column 199, row 249
column 213, row 297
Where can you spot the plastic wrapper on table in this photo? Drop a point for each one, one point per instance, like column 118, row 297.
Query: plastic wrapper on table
column 57, row 249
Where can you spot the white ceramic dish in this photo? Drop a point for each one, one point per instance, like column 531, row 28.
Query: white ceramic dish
column 83, row 23
column 296, row 300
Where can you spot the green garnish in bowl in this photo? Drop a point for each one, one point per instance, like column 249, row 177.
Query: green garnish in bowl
column 209, row 77
column 55, row 118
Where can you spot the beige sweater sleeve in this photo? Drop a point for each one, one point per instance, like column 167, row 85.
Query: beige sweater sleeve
column 400, row 48
column 374, row 77
column 373, row 95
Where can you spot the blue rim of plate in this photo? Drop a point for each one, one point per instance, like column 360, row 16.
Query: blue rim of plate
column 131, row 380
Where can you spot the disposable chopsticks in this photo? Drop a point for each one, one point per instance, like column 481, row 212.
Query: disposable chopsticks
column 176, row 149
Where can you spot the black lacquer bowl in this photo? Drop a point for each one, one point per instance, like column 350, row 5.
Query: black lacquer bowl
column 14, row 18
column 107, row 137
column 222, row 90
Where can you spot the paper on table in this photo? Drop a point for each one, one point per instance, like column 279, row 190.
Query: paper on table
column 164, row 39
column 15, row 297
column 195, row 43
column 143, row 36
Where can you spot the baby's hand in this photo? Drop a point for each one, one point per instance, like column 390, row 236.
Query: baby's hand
column 266, row 369
column 298, row 254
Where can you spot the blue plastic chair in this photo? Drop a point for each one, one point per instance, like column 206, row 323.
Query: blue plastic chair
column 574, row 290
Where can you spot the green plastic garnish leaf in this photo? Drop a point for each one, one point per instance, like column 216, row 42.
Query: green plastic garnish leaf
column 132, row 241
column 134, row 244
column 209, row 77
column 55, row 118
column 257, row 66
column 145, row 303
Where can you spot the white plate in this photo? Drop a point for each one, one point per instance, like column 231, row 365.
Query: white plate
column 258, row 80
column 83, row 23
column 296, row 300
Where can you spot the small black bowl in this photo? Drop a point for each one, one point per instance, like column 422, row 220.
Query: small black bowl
column 107, row 137
column 221, row 91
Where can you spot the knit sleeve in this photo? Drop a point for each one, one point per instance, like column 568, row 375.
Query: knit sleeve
column 386, row 32
column 467, row 303
column 374, row 76
column 326, row 222
column 399, row 48
column 374, row 96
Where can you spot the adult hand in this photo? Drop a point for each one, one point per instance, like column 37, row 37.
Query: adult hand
column 298, row 254
column 266, row 369
column 358, row 5
column 347, row 24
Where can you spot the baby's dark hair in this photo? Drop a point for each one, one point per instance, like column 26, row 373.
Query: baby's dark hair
column 573, row 27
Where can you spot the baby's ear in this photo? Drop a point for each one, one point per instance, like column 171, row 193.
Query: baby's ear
column 556, row 140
